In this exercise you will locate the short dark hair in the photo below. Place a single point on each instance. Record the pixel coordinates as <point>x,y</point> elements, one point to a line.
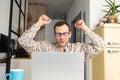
<point>60,23</point>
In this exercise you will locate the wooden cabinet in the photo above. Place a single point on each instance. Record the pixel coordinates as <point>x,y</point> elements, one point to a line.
<point>106,66</point>
<point>34,12</point>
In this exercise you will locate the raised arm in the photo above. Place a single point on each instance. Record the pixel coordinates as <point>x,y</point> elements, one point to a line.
<point>27,39</point>
<point>95,46</point>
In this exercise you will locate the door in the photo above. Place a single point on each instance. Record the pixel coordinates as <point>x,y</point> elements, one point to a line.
<point>111,36</point>
<point>112,64</point>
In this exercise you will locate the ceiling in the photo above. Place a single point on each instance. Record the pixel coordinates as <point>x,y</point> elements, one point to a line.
<point>54,8</point>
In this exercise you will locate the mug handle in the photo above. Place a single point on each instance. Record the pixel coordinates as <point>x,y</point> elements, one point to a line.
<point>8,74</point>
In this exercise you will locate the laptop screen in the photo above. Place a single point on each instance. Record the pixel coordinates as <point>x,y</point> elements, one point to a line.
<point>57,66</point>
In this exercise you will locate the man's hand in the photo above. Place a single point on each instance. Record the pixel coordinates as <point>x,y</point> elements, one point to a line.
<point>43,20</point>
<point>80,24</point>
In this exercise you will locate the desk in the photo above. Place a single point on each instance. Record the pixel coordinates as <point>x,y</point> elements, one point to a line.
<point>2,70</point>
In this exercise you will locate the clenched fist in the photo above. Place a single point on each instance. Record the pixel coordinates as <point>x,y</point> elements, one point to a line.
<point>80,24</point>
<point>43,20</point>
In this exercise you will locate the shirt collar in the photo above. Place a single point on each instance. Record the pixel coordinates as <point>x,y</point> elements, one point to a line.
<point>66,47</point>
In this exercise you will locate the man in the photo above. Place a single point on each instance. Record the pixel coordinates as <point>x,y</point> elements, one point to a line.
<point>62,34</point>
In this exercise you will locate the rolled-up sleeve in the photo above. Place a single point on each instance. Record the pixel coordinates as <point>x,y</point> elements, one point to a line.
<point>26,40</point>
<point>93,48</point>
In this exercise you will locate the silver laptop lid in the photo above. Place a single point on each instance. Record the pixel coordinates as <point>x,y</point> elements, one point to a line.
<point>57,66</point>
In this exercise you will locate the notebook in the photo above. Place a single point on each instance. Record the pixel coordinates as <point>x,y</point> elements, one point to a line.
<point>57,66</point>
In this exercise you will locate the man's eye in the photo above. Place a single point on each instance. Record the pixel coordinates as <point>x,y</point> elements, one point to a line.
<point>58,34</point>
<point>66,33</point>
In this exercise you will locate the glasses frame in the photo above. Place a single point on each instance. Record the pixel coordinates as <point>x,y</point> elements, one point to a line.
<point>59,34</point>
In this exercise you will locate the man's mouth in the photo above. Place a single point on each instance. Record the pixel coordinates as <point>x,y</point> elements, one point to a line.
<point>62,41</point>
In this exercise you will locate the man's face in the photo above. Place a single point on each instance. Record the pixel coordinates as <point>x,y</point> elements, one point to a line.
<point>62,35</point>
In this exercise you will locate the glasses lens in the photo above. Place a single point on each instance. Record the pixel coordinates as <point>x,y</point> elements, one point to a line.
<point>57,34</point>
<point>64,34</point>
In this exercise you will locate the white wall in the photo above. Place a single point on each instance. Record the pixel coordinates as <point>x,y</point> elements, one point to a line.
<point>96,12</point>
<point>4,16</point>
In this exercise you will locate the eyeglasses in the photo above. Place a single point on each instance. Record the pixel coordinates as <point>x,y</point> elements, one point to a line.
<point>58,34</point>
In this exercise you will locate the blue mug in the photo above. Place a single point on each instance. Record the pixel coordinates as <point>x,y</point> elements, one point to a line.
<point>15,74</point>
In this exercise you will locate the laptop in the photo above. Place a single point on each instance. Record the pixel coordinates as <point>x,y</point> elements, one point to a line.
<point>57,66</point>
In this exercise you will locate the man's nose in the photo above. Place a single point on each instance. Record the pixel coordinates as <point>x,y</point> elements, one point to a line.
<point>61,36</point>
